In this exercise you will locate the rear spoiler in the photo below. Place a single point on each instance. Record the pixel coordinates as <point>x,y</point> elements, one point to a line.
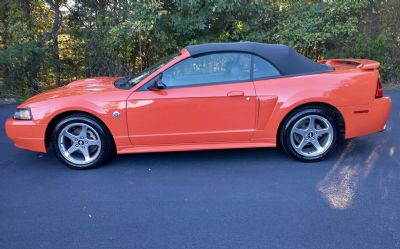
<point>361,64</point>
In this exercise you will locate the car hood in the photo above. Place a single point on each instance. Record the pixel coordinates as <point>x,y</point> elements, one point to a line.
<point>77,88</point>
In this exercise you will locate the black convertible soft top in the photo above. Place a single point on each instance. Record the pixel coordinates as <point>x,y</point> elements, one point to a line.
<point>284,58</point>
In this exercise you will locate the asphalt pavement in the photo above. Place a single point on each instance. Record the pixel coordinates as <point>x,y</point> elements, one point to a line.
<point>246,198</point>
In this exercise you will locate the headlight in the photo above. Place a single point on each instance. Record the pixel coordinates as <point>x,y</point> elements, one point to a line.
<point>23,114</point>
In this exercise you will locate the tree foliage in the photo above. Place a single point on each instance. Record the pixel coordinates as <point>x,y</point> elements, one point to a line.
<point>45,43</point>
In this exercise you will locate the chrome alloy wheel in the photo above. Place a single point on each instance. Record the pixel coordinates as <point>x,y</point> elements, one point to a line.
<point>79,143</point>
<point>312,135</point>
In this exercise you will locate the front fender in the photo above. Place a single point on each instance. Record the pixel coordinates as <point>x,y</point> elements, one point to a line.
<point>103,110</point>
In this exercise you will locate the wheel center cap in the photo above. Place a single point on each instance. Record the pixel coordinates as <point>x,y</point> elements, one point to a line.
<point>81,142</point>
<point>310,135</point>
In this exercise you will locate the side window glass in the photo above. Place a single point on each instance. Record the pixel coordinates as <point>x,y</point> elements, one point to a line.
<point>208,69</point>
<point>263,69</point>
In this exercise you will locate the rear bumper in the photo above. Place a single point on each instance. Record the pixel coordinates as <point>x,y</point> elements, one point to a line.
<point>26,134</point>
<point>366,119</point>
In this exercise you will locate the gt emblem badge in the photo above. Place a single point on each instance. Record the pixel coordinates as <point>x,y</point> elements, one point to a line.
<point>116,114</point>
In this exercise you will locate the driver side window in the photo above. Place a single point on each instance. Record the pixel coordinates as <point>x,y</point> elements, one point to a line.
<point>208,69</point>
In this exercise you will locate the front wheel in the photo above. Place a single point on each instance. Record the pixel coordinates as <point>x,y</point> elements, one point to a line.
<point>81,142</point>
<point>309,134</point>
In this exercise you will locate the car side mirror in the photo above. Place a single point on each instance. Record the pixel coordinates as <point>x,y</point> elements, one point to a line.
<point>157,84</point>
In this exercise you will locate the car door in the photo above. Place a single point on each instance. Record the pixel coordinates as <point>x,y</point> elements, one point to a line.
<point>207,99</point>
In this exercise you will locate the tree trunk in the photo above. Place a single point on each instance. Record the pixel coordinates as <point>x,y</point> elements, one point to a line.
<point>55,5</point>
<point>4,20</point>
<point>31,72</point>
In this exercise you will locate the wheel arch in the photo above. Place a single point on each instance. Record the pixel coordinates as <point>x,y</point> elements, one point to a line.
<point>323,105</point>
<point>60,116</point>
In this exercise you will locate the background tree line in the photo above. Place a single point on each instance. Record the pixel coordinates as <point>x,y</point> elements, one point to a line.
<point>47,43</point>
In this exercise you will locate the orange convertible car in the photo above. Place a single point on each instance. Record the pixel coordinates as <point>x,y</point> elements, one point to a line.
<point>210,96</point>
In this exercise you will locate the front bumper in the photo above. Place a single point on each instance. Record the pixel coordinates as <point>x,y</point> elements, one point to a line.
<point>366,119</point>
<point>26,134</point>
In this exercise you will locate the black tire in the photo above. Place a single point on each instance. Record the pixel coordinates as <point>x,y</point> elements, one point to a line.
<point>107,145</point>
<point>284,137</point>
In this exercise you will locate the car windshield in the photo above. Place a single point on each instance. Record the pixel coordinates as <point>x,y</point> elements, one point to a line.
<point>131,80</point>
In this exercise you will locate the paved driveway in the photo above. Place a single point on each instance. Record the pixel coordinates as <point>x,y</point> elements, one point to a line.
<point>248,198</point>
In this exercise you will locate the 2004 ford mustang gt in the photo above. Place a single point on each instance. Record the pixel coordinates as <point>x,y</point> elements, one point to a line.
<point>210,96</point>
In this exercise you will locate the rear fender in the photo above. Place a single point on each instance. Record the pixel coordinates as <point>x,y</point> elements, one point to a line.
<point>282,109</point>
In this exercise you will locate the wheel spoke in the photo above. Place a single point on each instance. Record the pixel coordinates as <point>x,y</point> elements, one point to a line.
<point>302,143</point>
<point>69,135</point>
<point>299,131</point>
<point>72,149</point>
<point>316,144</point>
<point>93,142</point>
<point>323,131</point>
<point>85,153</point>
<point>311,125</point>
<point>83,133</point>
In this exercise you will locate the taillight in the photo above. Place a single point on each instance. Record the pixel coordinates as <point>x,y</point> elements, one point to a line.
<point>379,89</point>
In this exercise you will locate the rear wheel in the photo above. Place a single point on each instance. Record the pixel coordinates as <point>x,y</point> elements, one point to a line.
<point>81,142</point>
<point>310,134</point>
